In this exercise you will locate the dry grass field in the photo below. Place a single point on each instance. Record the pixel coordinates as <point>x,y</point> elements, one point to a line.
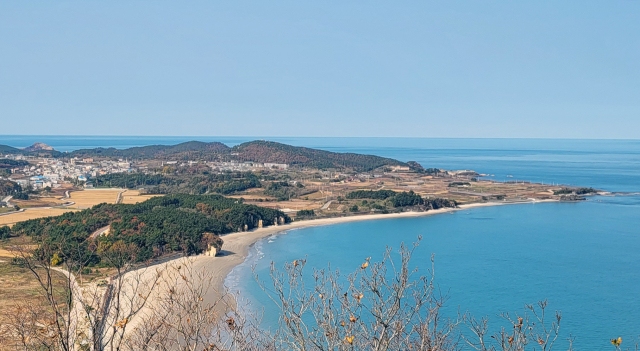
<point>89,198</point>
<point>33,213</point>
<point>38,202</point>
<point>318,195</point>
<point>19,288</point>
<point>83,199</point>
<point>134,197</point>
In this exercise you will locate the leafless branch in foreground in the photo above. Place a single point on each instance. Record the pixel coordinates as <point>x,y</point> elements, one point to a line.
<point>381,306</point>
<point>532,330</point>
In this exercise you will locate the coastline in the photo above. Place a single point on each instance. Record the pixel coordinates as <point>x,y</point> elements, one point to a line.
<point>237,246</point>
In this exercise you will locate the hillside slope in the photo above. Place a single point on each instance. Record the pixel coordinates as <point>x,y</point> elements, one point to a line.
<point>272,152</point>
<point>254,151</point>
<point>6,149</point>
<point>190,149</point>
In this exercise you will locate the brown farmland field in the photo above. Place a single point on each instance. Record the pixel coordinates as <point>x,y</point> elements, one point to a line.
<point>89,198</point>
<point>31,214</point>
<point>38,202</point>
<point>134,197</point>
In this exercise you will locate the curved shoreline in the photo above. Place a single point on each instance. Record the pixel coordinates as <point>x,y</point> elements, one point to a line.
<point>237,246</point>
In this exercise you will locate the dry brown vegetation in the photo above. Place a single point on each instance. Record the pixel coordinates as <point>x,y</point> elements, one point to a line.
<point>31,213</point>
<point>320,190</point>
<point>20,292</point>
<point>89,198</point>
<point>134,197</point>
<point>38,202</point>
<point>83,199</point>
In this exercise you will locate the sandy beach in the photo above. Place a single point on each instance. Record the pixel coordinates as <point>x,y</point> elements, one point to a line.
<point>237,245</point>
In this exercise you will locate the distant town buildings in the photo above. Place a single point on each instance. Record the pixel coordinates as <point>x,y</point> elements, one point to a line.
<point>50,172</point>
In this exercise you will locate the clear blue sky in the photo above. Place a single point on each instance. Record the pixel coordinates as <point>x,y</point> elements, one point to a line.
<point>485,68</point>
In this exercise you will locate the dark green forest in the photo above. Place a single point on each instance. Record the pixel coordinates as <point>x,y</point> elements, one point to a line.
<point>272,152</point>
<point>196,184</point>
<point>158,226</point>
<point>5,232</point>
<point>577,191</point>
<point>5,149</point>
<point>401,199</point>
<point>184,151</point>
<point>255,151</point>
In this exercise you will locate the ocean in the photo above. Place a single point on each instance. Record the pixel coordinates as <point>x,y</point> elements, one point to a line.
<point>584,258</point>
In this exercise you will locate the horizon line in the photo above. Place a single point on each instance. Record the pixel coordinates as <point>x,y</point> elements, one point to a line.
<point>309,137</point>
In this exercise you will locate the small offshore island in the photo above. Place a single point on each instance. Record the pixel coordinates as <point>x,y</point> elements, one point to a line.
<point>207,199</point>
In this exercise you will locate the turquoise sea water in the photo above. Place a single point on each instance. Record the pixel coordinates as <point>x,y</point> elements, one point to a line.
<point>583,257</point>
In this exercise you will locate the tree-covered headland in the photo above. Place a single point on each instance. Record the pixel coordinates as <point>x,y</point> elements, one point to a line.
<point>175,223</point>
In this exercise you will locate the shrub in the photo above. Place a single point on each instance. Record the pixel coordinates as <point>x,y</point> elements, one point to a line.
<point>56,260</point>
<point>5,232</point>
<point>21,196</point>
<point>305,213</point>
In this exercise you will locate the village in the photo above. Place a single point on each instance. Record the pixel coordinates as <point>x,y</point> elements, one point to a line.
<point>57,184</point>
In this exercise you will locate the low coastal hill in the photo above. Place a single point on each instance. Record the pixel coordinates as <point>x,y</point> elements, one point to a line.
<point>37,149</point>
<point>6,149</point>
<point>272,152</point>
<point>158,226</point>
<point>190,149</point>
<point>255,151</point>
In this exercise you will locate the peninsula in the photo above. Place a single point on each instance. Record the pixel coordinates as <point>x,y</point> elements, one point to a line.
<point>211,202</point>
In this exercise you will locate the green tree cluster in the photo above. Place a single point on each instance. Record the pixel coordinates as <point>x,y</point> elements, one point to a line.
<point>5,232</point>
<point>400,199</point>
<point>407,199</point>
<point>578,191</point>
<point>305,213</point>
<point>272,152</point>
<point>8,187</point>
<point>158,226</point>
<point>371,194</point>
<point>199,182</point>
<point>283,191</point>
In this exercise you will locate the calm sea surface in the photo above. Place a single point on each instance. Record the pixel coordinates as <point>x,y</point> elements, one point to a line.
<point>583,257</point>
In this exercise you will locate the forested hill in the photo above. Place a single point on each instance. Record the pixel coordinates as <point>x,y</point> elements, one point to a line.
<point>272,152</point>
<point>6,149</point>
<point>161,225</point>
<point>189,150</point>
<point>255,151</point>
<point>10,150</point>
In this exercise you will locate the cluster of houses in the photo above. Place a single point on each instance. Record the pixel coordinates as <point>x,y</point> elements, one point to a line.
<point>51,172</point>
<point>245,166</point>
